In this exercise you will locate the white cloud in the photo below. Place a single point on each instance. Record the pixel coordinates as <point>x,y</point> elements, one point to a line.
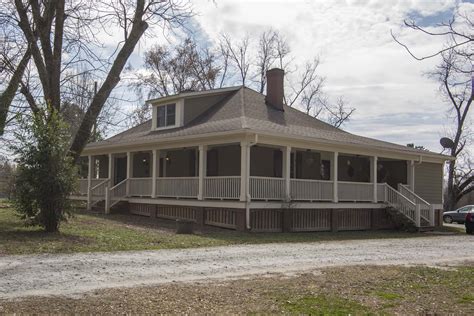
<point>360,59</point>
<point>394,101</point>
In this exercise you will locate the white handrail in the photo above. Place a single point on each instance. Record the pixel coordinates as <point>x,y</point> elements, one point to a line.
<point>223,187</point>
<point>100,184</point>
<point>426,210</point>
<point>267,188</point>
<point>355,191</point>
<point>408,208</point>
<point>112,197</point>
<point>177,187</point>
<point>98,192</point>
<point>415,196</point>
<point>311,189</point>
<point>123,181</point>
<point>140,186</point>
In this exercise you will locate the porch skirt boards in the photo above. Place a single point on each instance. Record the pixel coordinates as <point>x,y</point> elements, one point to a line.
<point>273,220</point>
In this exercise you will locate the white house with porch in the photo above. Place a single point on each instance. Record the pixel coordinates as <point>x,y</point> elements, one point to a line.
<point>238,159</point>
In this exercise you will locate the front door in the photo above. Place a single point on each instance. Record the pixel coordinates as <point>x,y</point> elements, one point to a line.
<point>120,169</point>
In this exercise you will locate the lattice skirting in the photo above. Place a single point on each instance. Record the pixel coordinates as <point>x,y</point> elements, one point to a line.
<point>273,220</point>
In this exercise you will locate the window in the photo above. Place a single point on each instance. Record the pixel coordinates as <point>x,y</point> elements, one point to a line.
<point>464,210</point>
<point>166,115</point>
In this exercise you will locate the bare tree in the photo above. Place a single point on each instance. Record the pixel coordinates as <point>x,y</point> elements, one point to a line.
<point>454,74</point>
<point>457,89</point>
<point>266,55</point>
<point>140,114</point>
<point>338,113</point>
<point>282,52</point>
<point>224,56</point>
<point>171,69</point>
<point>305,79</point>
<point>178,68</point>
<point>78,93</point>
<point>458,34</point>
<point>9,93</point>
<point>238,54</point>
<point>53,28</point>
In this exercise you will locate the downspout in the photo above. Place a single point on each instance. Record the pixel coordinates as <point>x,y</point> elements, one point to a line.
<point>249,197</point>
<point>420,160</point>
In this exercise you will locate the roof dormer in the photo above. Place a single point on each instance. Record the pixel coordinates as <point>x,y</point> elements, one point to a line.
<point>168,115</point>
<point>178,110</point>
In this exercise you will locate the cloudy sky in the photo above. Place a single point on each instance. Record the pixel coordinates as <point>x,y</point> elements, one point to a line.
<point>393,98</point>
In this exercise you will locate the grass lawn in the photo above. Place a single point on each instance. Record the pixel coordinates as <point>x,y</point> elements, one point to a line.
<point>334,291</point>
<point>87,231</point>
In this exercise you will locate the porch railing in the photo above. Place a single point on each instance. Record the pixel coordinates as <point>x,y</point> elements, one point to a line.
<point>311,190</point>
<point>98,190</point>
<point>402,204</point>
<point>82,187</point>
<point>179,187</point>
<point>140,186</point>
<point>97,181</point>
<point>381,192</point>
<point>355,191</point>
<point>426,210</point>
<point>267,188</point>
<point>116,194</point>
<point>222,187</point>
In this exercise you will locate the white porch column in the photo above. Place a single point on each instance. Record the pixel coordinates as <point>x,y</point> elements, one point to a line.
<point>202,169</point>
<point>373,176</point>
<point>110,184</point>
<point>89,181</point>
<point>334,171</point>
<point>154,172</point>
<point>244,167</point>
<point>286,171</point>
<point>129,171</point>
<point>111,170</point>
<point>411,174</point>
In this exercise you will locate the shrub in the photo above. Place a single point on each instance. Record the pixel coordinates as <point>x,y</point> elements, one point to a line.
<point>46,174</point>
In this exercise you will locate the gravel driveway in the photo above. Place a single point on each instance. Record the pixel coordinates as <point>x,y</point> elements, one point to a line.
<point>71,274</point>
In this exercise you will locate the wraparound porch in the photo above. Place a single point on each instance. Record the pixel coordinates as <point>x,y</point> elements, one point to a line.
<point>244,173</point>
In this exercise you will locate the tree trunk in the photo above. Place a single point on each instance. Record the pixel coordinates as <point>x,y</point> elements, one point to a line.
<point>112,79</point>
<point>450,202</point>
<point>7,96</point>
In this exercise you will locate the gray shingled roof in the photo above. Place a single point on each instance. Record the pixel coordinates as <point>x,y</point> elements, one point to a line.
<point>245,109</point>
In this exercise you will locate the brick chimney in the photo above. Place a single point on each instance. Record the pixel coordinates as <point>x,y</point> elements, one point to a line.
<point>275,92</point>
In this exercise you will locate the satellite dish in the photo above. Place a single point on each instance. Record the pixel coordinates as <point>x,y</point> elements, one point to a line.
<point>446,142</point>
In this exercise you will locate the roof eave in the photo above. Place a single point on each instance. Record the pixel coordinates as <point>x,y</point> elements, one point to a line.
<point>131,145</point>
<point>186,95</point>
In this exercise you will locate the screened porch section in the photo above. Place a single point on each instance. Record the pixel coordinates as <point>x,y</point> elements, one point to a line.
<point>242,172</point>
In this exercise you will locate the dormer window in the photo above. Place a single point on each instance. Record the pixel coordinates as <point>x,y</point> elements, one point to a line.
<point>166,115</point>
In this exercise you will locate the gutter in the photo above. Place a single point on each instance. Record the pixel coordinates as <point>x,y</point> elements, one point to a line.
<point>115,148</point>
<point>249,197</point>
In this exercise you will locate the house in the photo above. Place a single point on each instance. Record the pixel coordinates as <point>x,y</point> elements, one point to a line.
<point>236,158</point>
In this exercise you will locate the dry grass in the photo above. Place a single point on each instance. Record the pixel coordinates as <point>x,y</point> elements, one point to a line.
<point>334,291</point>
<point>87,232</point>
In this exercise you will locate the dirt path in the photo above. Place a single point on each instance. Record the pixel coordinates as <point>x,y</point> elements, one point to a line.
<point>77,273</point>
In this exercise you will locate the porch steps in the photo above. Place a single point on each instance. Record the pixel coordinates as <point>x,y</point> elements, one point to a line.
<point>121,207</point>
<point>405,223</point>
